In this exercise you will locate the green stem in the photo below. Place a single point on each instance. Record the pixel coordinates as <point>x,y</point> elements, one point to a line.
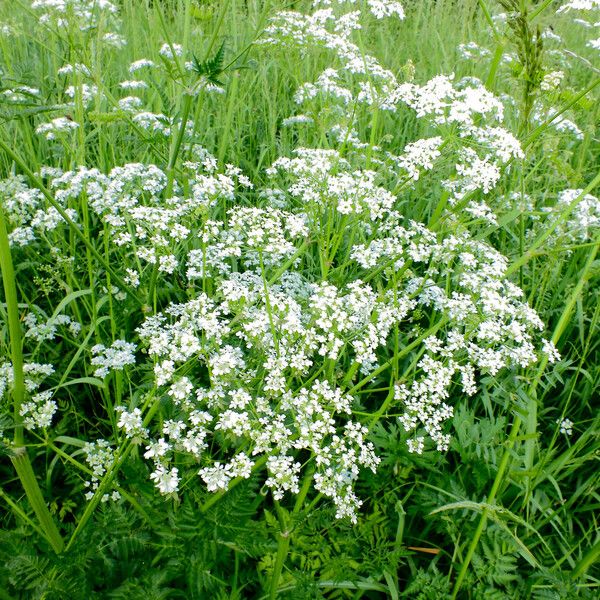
<point>283,542</point>
<point>25,472</point>
<point>539,10</point>
<point>20,459</point>
<point>283,545</point>
<point>21,513</point>
<point>587,561</point>
<point>14,328</point>
<point>488,18</point>
<point>489,83</point>
<point>185,112</point>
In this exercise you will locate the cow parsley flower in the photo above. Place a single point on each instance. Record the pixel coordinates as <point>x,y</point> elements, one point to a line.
<point>100,457</point>
<point>566,427</point>
<point>115,357</point>
<point>167,481</point>
<point>38,412</point>
<point>56,127</point>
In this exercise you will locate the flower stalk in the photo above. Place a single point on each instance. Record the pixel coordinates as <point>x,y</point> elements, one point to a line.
<point>20,460</point>
<point>284,537</point>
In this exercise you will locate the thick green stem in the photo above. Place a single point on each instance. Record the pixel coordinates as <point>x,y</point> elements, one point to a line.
<point>14,328</point>
<point>20,459</point>
<point>25,472</point>
<point>284,538</point>
<point>283,545</point>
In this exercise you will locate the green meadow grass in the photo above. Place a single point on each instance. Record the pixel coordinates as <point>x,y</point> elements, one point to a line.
<point>510,511</point>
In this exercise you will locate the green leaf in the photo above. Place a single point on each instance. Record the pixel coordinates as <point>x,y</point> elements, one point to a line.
<point>211,68</point>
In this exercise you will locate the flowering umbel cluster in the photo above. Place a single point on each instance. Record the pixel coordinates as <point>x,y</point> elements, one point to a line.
<point>286,307</point>
<point>262,365</point>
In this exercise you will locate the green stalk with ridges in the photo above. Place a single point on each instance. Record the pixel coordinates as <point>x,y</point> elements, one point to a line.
<point>20,459</point>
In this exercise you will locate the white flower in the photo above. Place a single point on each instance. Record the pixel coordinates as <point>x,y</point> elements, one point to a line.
<point>416,445</point>
<point>216,477</point>
<point>167,481</point>
<point>579,5</point>
<point>131,422</point>
<point>566,426</point>
<point>550,350</point>
<point>38,412</point>
<point>100,457</point>
<point>551,80</point>
<point>143,63</point>
<point>114,40</point>
<point>133,84</point>
<point>116,357</point>
<point>56,127</point>
<point>171,51</point>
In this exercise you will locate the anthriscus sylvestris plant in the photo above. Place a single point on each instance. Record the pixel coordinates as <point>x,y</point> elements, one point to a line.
<point>234,326</point>
<point>296,306</point>
<point>301,302</point>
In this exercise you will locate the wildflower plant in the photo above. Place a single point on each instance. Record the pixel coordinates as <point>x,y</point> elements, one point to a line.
<point>298,323</point>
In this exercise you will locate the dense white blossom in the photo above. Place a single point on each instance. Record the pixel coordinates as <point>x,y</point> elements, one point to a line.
<point>115,357</point>
<point>56,127</point>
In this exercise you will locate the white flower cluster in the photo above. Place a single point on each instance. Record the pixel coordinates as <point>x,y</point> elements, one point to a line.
<point>296,305</point>
<point>269,334</point>
<point>326,29</point>
<point>142,63</point>
<point>56,128</point>
<point>580,5</point>
<point>28,213</point>
<point>561,124</point>
<point>114,40</point>
<point>69,69</point>
<point>472,51</point>
<point>21,94</point>
<point>378,8</point>
<point>83,14</point>
<point>254,235</point>
<point>350,192</point>
<point>100,457</point>
<point>464,107</point>
<point>482,147</point>
<point>487,325</point>
<point>566,427</point>
<point>129,201</point>
<point>419,156</point>
<point>37,411</point>
<point>583,223</point>
<point>551,81</point>
<point>41,329</point>
<point>84,93</point>
<point>170,51</point>
<point>116,357</point>
<point>262,365</point>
